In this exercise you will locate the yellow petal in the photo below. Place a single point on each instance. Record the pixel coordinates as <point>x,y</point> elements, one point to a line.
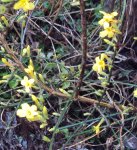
<point>102,12</point>
<point>18,5</point>
<point>114,13</point>
<point>33,108</point>
<point>104,56</point>
<point>101,22</point>
<point>21,113</point>
<point>28,6</point>
<point>106,25</point>
<point>97,59</point>
<point>24,81</point>
<point>25,106</point>
<point>27,89</point>
<point>95,67</point>
<point>103,34</point>
<point>26,78</point>
<point>110,34</point>
<point>31,81</point>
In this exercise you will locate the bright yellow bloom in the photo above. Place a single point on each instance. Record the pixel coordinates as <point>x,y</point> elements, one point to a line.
<point>100,65</point>
<point>110,32</point>
<point>24,4</point>
<point>27,83</point>
<point>30,112</point>
<point>135,93</point>
<point>107,19</point>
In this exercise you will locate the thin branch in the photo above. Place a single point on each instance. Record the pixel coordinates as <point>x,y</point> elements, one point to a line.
<point>84,46</point>
<point>55,18</point>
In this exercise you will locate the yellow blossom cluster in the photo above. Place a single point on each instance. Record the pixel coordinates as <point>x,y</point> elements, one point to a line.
<point>109,24</point>
<point>102,64</point>
<point>37,111</point>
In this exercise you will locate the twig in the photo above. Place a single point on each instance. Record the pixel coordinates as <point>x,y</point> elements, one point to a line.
<point>51,28</point>
<point>84,46</point>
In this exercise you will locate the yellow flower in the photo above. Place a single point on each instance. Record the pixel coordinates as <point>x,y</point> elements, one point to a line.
<point>100,65</point>
<point>135,93</point>
<point>24,4</point>
<point>30,112</point>
<point>27,83</point>
<point>110,32</point>
<point>104,56</point>
<point>107,19</point>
